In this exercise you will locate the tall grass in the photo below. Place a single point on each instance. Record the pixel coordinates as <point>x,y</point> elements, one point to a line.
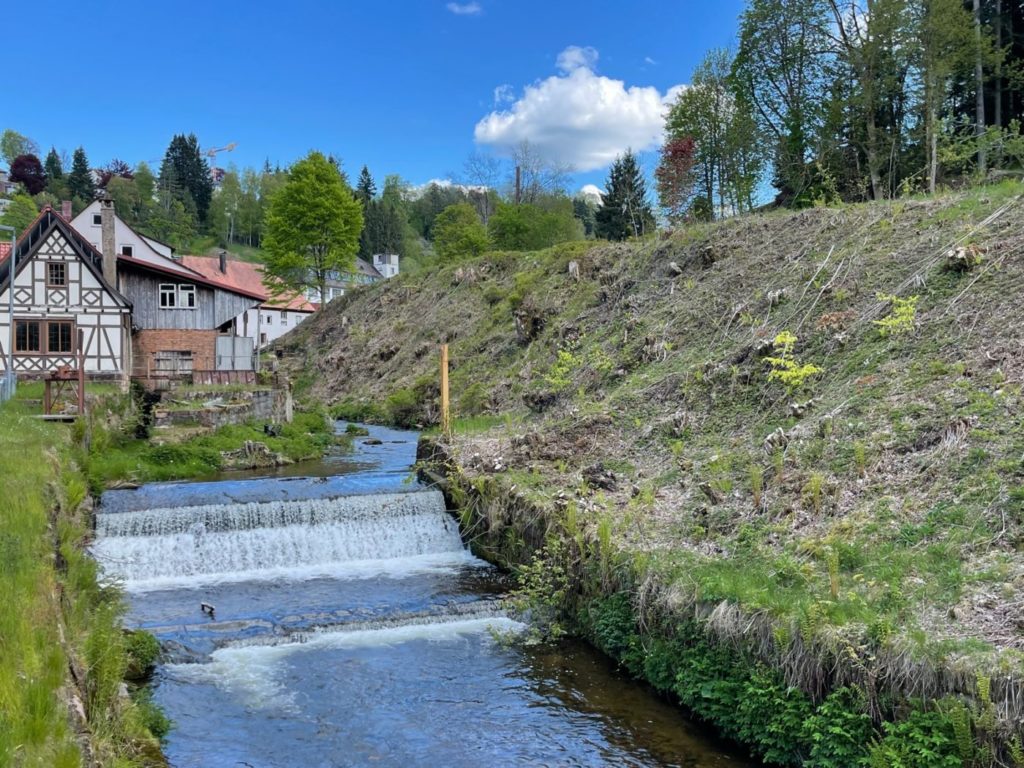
<point>54,615</point>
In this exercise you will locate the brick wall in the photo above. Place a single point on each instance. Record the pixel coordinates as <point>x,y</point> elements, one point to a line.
<point>147,343</point>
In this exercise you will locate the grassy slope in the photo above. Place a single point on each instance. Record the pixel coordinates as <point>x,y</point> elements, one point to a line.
<point>891,521</point>
<point>54,618</point>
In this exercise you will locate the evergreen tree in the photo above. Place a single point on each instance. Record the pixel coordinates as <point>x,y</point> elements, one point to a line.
<point>53,166</point>
<point>366,190</point>
<point>80,183</point>
<point>185,173</point>
<point>625,210</point>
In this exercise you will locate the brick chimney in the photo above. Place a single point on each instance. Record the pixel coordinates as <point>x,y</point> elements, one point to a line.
<point>107,247</point>
<point>65,210</point>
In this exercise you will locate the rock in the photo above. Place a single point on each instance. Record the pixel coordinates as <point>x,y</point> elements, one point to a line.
<point>253,455</point>
<point>597,476</point>
<point>674,269</point>
<point>714,496</point>
<point>373,441</point>
<point>776,441</point>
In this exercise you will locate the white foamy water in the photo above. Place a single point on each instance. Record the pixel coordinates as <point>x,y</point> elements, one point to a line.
<point>253,672</point>
<point>357,535</point>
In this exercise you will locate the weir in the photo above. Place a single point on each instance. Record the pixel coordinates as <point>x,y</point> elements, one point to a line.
<point>233,541</point>
<point>350,625</point>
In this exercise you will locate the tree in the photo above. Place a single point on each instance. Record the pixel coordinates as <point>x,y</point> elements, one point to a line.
<point>674,177</point>
<point>13,144</point>
<point>583,208</point>
<point>625,210</point>
<point>186,174</point>
<point>459,233</point>
<point>28,171</point>
<point>780,70</point>
<point>312,227</point>
<point>53,166</point>
<point>21,212</point>
<point>538,175</point>
<point>533,227</point>
<point>366,190</point>
<point>946,49</point>
<point>115,168</point>
<point>80,183</point>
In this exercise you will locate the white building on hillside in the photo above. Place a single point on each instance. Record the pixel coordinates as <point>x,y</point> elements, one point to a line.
<point>386,264</point>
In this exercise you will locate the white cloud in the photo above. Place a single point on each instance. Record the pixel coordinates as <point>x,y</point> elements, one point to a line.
<point>591,191</point>
<point>650,62</point>
<point>504,94</point>
<point>465,9</point>
<point>574,57</point>
<point>579,117</point>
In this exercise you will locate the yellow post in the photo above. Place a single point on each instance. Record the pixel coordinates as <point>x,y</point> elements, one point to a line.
<point>446,416</point>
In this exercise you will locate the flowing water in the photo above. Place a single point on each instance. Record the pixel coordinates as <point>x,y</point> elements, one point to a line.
<point>350,626</point>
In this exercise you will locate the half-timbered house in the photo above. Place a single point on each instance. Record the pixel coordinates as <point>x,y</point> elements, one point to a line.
<point>61,296</point>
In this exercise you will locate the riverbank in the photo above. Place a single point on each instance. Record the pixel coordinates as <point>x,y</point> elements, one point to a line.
<point>65,656</point>
<point>809,421</point>
<point>722,666</point>
<point>69,674</point>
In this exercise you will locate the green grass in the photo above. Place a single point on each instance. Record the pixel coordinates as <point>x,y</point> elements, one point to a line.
<point>41,492</point>
<point>115,456</point>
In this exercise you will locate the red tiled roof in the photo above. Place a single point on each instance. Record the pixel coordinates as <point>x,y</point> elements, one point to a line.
<point>5,251</point>
<point>186,273</point>
<point>248,277</point>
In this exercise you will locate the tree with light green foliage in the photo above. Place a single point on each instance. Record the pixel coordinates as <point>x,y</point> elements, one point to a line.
<point>21,211</point>
<point>532,227</point>
<point>459,233</point>
<point>13,144</point>
<point>312,227</point>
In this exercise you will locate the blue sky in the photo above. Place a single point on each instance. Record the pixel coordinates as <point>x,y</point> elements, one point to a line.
<point>405,86</point>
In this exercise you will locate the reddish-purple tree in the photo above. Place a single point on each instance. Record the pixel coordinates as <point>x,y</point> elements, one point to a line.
<point>674,176</point>
<point>28,171</point>
<point>115,168</point>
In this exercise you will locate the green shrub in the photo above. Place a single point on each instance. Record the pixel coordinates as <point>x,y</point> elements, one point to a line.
<point>921,740</point>
<point>143,650</point>
<point>787,369</point>
<point>403,409</point>
<point>838,732</point>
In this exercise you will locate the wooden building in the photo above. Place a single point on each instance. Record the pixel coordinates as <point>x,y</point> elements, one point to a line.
<point>182,321</point>
<point>60,296</point>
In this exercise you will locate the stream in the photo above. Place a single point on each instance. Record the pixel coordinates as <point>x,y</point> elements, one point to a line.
<point>350,626</point>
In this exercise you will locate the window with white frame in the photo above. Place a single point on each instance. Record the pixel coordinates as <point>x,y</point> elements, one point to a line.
<point>187,296</point>
<point>168,296</point>
<point>284,318</point>
<point>175,296</point>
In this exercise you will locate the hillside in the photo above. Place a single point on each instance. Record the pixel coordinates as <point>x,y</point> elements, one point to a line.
<point>873,515</point>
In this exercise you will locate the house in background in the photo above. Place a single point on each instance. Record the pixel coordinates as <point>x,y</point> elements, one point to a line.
<point>7,187</point>
<point>127,242</point>
<point>386,264</point>
<point>271,319</point>
<point>63,295</point>
<point>364,273</point>
<point>182,322</point>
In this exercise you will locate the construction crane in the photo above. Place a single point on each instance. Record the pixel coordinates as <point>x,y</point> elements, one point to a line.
<point>212,153</point>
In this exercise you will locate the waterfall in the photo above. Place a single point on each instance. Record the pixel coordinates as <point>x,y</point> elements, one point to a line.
<point>175,546</point>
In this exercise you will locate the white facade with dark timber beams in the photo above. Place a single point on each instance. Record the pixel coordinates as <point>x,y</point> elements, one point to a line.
<point>59,291</point>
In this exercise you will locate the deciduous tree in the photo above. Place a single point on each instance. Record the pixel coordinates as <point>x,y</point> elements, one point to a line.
<point>459,233</point>
<point>312,227</point>
<point>28,171</point>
